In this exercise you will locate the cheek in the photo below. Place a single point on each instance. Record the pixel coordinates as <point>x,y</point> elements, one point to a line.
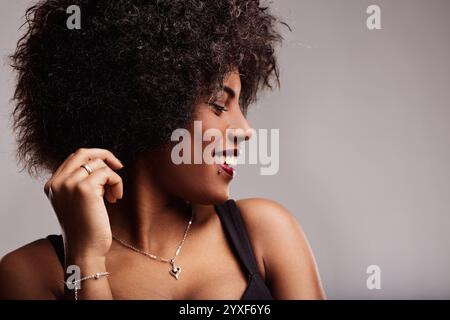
<point>198,183</point>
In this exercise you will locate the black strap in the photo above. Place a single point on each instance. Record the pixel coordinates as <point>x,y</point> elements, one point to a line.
<point>236,232</point>
<point>58,245</point>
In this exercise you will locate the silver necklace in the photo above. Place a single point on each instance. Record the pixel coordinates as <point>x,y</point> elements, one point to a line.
<point>175,270</point>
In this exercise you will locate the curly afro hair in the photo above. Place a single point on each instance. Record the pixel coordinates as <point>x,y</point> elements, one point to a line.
<point>132,73</point>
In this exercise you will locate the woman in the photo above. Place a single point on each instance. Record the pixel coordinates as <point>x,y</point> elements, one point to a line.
<point>143,227</point>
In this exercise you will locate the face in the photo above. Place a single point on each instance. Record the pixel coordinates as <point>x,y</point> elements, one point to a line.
<point>207,183</point>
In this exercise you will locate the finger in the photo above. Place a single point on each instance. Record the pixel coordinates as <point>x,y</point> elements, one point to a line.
<point>47,186</point>
<point>106,177</point>
<point>82,173</point>
<point>83,155</point>
<point>78,158</point>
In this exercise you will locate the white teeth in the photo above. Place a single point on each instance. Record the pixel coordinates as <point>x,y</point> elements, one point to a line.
<point>220,158</point>
<point>231,160</point>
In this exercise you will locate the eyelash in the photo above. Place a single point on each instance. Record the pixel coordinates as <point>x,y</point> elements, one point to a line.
<point>218,107</point>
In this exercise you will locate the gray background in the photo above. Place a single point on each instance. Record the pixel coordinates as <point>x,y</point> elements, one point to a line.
<point>364,144</point>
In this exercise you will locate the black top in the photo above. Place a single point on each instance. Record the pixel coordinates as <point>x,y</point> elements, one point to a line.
<point>236,233</point>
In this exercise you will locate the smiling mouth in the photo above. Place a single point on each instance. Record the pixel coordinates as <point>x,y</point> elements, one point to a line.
<point>228,169</point>
<point>226,159</point>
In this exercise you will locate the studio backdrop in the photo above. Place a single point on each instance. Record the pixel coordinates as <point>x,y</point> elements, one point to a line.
<point>363,116</point>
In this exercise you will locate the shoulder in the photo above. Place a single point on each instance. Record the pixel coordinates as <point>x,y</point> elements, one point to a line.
<point>279,241</point>
<point>30,272</point>
<point>268,223</point>
<point>265,213</point>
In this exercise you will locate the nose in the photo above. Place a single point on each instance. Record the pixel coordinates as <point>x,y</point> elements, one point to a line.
<point>240,130</point>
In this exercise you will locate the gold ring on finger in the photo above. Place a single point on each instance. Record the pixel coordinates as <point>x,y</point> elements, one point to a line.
<point>88,169</point>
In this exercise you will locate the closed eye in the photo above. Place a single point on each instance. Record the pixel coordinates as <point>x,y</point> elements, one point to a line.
<point>218,107</point>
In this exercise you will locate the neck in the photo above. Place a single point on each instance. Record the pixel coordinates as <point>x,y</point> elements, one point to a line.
<point>148,217</point>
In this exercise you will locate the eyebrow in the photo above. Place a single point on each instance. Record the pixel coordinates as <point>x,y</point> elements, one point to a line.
<point>230,91</point>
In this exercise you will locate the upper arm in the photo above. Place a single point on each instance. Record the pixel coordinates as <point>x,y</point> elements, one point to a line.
<point>28,273</point>
<point>290,268</point>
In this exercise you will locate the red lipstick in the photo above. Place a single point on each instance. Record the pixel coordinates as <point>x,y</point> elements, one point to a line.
<point>228,169</point>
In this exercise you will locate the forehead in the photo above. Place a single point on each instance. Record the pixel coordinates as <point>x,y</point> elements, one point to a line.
<point>233,81</point>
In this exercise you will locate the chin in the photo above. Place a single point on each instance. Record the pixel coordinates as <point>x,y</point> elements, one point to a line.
<point>221,198</point>
<point>212,197</point>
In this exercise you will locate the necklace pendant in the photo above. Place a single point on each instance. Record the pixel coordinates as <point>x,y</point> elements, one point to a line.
<point>175,270</point>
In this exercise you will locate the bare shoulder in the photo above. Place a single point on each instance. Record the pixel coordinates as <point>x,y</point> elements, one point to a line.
<point>262,214</point>
<point>268,223</point>
<point>279,241</point>
<point>30,272</point>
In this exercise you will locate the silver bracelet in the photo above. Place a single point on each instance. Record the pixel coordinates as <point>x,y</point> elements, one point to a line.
<point>93,276</point>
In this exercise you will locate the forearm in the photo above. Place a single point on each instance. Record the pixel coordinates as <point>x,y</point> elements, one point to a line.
<point>92,289</point>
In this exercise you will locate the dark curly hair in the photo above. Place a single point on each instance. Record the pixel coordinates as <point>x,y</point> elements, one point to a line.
<point>132,73</point>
